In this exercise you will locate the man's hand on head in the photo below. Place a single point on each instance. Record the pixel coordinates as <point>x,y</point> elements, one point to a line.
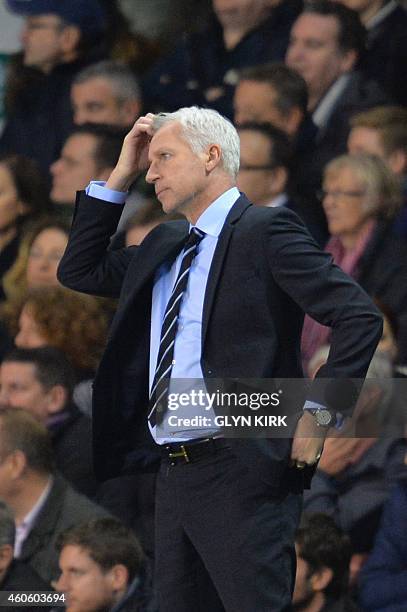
<point>134,154</point>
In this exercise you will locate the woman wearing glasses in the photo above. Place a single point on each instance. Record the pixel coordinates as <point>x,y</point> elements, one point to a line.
<point>361,198</point>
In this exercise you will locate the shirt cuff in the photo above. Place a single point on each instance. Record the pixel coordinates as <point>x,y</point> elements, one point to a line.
<point>309,405</point>
<point>97,189</point>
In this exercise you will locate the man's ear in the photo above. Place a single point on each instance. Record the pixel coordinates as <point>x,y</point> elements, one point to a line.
<point>348,61</point>
<point>57,397</point>
<point>23,208</point>
<point>17,464</point>
<point>292,121</point>
<point>278,180</point>
<point>119,576</point>
<point>398,162</point>
<point>213,157</point>
<point>321,578</point>
<point>70,37</point>
<point>130,110</point>
<point>6,557</point>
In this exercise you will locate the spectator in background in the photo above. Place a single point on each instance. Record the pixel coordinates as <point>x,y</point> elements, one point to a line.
<point>23,198</point>
<point>323,555</point>
<point>276,94</point>
<point>326,43</point>
<point>59,38</point>
<point>271,93</point>
<point>361,198</point>
<point>39,253</point>
<point>15,576</point>
<point>266,160</point>
<point>41,381</point>
<point>143,221</point>
<point>382,131</point>
<point>386,57</point>
<point>360,464</point>
<point>203,69</point>
<point>43,503</point>
<point>74,323</point>
<point>101,563</point>
<point>383,581</point>
<point>126,43</point>
<point>106,92</point>
<point>91,150</point>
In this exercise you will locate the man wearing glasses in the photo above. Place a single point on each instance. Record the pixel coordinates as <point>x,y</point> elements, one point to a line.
<point>56,41</point>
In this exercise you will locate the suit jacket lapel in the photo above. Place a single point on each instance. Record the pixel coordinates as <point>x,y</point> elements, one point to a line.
<point>218,258</point>
<point>149,258</point>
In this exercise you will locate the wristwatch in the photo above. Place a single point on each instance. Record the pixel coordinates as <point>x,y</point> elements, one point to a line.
<point>323,417</point>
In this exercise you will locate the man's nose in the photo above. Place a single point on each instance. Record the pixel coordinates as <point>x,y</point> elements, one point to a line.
<point>152,174</point>
<point>54,167</point>
<point>60,585</point>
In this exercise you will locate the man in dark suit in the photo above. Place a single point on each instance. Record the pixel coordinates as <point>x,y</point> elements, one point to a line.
<point>43,503</point>
<point>327,42</point>
<point>14,574</point>
<point>226,509</point>
<point>41,381</point>
<point>266,162</point>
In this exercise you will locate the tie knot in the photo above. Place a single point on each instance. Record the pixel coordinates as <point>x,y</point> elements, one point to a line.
<point>194,238</point>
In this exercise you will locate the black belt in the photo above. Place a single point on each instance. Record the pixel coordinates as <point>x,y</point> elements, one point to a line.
<point>192,451</point>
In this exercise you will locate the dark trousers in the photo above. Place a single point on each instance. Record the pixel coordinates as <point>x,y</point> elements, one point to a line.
<point>224,538</point>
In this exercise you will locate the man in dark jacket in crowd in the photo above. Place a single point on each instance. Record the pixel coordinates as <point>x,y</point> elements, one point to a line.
<point>101,563</point>
<point>41,382</point>
<point>323,556</point>
<point>203,68</point>
<point>59,38</point>
<point>15,576</point>
<point>326,43</point>
<point>43,503</point>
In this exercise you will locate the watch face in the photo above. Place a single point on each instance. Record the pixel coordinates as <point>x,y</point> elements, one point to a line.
<point>323,417</point>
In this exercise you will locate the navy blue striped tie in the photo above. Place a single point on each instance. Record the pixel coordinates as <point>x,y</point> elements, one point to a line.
<point>159,389</point>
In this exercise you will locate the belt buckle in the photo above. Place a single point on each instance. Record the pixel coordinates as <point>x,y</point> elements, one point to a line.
<point>183,453</point>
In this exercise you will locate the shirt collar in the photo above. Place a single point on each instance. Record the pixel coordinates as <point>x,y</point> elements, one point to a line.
<point>326,105</point>
<point>279,200</point>
<point>381,15</point>
<point>213,218</point>
<point>30,518</point>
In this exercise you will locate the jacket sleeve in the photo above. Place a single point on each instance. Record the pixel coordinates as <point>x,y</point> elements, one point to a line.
<point>323,291</point>
<point>88,265</point>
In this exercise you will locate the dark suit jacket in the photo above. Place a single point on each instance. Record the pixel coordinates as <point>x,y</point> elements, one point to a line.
<point>382,272</point>
<point>386,57</point>
<point>359,95</point>
<point>63,508</point>
<point>72,446</point>
<point>265,272</point>
<point>22,577</point>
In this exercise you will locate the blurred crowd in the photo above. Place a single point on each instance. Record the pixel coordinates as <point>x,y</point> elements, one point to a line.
<point>316,91</point>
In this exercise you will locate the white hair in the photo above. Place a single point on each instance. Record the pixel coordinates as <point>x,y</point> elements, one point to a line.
<point>203,127</point>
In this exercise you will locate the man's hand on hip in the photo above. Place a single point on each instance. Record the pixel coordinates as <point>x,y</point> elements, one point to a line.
<point>308,441</point>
